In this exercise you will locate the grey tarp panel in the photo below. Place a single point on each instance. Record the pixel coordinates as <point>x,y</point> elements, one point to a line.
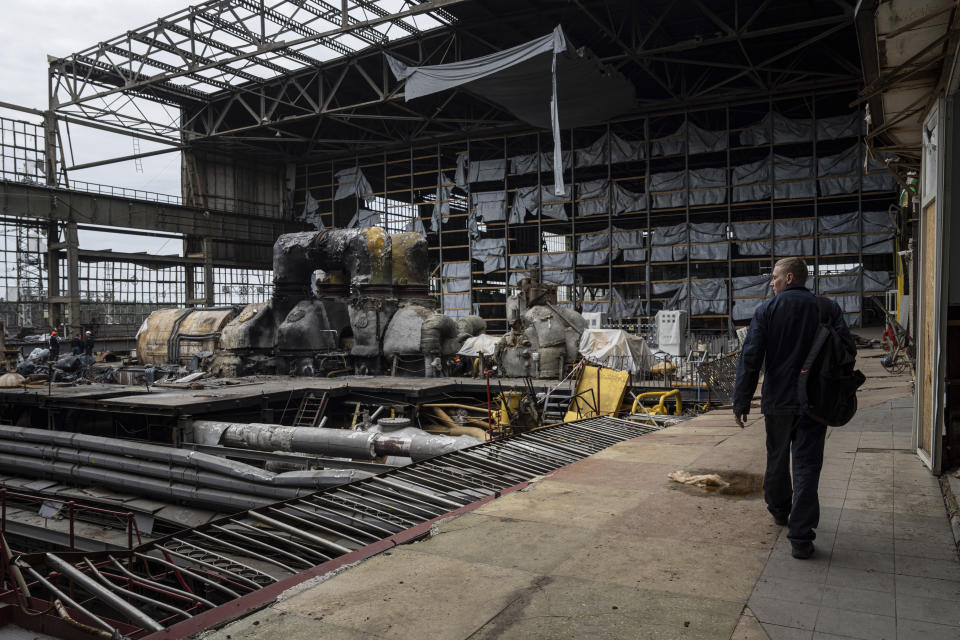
<point>704,296</point>
<point>872,244</point>
<point>415,226</point>
<point>793,228</point>
<point>669,235</point>
<point>620,151</point>
<point>441,208</point>
<point>525,201</point>
<point>628,238</point>
<point>878,222</point>
<point>311,213</point>
<point>456,276</point>
<point>527,163</point>
<point>875,244</point>
<point>840,174</point>
<point>456,305</point>
<point>784,130</point>
<point>592,197</point>
<point>751,230</point>
<point>490,205</point>
<point>661,254</point>
<point>660,288</point>
<point>708,231</point>
<point>491,251</point>
<point>716,251</point>
<point>708,186</point>
<point>793,247</point>
<point>635,255</point>
<point>600,256</point>
<point>364,219</point>
<point>708,296</point>
<point>844,126</point>
<point>754,248</point>
<point>591,306</point>
<point>801,130</point>
<point>486,170</point>
<point>750,286</point>
<point>701,141</point>
<point>625,308</point>
<point>672,181</point>
<point>842,223</point>
<point>743,309</point>
<point>751,181</point>
<point>793,178</point>
<point>877,280</point>
<point>597,240</point>
<point>543,82</point>
<point>351,182</point>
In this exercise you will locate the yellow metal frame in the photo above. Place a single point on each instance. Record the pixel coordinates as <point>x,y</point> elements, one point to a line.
<point>660,409</point>
<point>599,391</point>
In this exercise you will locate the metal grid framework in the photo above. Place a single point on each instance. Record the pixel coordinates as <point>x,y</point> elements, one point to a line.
<point>225,47</point>
<point>23,296</point>
<point>116,297</point>
<point>414,175</point>
<point>197,578</point>
<point>293,78</point>
<point>21,151</point>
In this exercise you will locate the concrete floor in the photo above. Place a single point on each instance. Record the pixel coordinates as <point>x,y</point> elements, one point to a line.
<point>609,548</point>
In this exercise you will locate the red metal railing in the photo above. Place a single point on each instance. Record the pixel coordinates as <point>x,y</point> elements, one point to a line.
<point>73,510</point>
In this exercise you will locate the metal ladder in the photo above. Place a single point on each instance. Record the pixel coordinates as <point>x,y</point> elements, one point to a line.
<point>311,410</point>
<point>556,405</point>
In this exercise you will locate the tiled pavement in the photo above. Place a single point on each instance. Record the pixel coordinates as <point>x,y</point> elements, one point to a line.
<point>886,566</point>
<point>608,547</point>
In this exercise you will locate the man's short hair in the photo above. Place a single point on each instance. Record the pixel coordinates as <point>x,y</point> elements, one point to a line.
<point>796,266</point>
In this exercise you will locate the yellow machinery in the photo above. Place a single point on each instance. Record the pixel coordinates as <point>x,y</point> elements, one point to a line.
<point>599,392</point>
<point>660,409</point>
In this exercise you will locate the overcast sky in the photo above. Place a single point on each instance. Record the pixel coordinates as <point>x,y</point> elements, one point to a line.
<point>29,31</point>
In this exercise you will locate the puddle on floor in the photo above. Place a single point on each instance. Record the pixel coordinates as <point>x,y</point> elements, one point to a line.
<point>742,484</point>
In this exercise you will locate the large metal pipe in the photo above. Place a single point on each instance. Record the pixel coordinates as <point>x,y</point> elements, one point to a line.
<point>332,442</point>
<point>94,588</point>
<point>224,501</point>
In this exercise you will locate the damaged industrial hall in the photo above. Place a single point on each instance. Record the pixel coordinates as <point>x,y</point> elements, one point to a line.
<point>422,318</point>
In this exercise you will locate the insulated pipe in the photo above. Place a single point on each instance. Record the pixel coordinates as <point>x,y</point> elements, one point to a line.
<point>93,587</point>
<point>134,468</point>
<point>226,501</point>
<point>140,450</point>
<point>341,443</point>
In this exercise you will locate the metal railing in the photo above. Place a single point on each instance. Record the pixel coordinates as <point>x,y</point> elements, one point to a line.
<point>74,510</point>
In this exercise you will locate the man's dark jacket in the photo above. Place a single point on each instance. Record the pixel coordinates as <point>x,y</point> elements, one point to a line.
<point>782,331</point>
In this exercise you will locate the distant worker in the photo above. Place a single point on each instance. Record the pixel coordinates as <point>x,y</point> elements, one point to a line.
<point>88,343</point>
<point>782,333</point>
<point>54,345</point>
<point>76,345</point>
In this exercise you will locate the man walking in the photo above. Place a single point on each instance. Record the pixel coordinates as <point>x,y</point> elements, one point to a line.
<point>54,342</point>
<point>781,333</point>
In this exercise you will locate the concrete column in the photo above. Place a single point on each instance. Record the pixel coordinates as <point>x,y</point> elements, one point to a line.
<point>73,277</point>
<point>54,306</point>
<point>190,277</point>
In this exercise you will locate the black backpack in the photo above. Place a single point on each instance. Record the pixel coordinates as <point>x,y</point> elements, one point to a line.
<point>828,383</point>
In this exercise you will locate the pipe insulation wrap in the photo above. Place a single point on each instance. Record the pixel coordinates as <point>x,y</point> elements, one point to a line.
<point>342,443</point>
<point>140,450</point>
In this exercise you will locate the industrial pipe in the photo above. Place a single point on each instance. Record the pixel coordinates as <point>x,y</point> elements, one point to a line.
<point>340,443</point>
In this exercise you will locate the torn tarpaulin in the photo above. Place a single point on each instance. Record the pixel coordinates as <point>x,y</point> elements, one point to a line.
<point>539,82</point>
<point>351,182</point>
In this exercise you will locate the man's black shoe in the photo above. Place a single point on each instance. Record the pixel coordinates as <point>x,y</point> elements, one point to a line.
<point>780,520</point>
<point>802,551</point>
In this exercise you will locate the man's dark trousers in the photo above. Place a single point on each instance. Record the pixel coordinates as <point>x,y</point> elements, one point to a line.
<point>803,438</point>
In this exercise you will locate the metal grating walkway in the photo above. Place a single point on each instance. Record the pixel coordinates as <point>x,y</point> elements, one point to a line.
<point>177,585</point>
